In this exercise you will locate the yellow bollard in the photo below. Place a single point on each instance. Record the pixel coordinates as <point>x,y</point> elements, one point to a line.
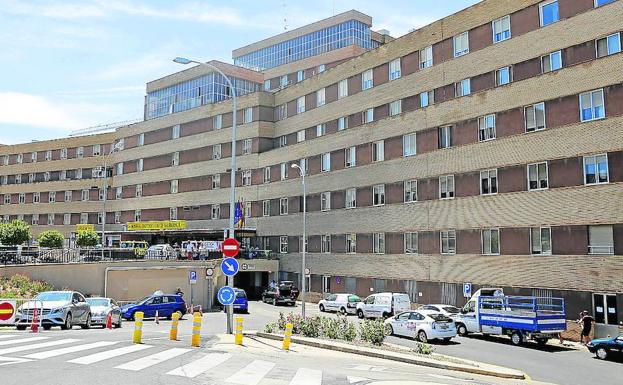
<point>175,320</point>
<point>286,337</point>
<point>196,338</point>
<point>138,327</point>
<point>238,338</point>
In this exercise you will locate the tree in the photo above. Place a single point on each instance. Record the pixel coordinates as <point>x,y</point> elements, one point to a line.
<point>88,238</point>
<point>52,239</point>
<point>14,233</point>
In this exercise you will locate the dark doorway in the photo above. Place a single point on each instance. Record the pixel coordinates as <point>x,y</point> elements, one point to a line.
<point>253,282</point>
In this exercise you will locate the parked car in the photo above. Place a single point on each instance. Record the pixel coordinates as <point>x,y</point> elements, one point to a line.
<point>101,307</point>
<point>164,251</point>
<point>138,247</point>
<point>606,347</point>
<point>447,310</point>
<point>383,305</point>
<point>55,308</point>
<point>285,292</point>
<point>423,325</point>
<point>343,303</point>
<point>164,304</point>
<point>241,302</point>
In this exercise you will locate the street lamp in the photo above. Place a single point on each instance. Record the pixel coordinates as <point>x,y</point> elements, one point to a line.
<point>303,275</point>
<point>232,195</point>
<point>117,147</point>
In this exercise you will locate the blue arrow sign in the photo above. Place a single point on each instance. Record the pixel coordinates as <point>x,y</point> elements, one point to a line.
<point>230,267</point>
<point>226,295</point>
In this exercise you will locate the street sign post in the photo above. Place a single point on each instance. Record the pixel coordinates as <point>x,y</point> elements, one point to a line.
<point>231,247</point>
<point>230,267</point>
<point>467,290</point>
<point>226,296</point>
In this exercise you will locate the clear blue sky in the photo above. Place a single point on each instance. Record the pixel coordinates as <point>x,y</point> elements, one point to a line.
<point>73,64</point>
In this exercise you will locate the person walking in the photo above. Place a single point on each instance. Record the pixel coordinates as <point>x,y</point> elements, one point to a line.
<point>587,324</point>
<point>179,292</point>
<point>189,251</point>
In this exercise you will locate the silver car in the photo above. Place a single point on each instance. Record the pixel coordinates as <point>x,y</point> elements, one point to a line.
<point>101,307</point>
<point>55,308</point>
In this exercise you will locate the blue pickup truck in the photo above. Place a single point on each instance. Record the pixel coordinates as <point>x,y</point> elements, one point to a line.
<point>489,311</point>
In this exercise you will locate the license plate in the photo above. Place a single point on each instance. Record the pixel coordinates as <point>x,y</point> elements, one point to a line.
<point>444,326</point>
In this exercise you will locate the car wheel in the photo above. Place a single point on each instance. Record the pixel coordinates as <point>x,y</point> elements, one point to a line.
<point>87,324</point>
<point>360,314</point>
<point>68,322</point>
<point>541,341</point>
<point>421,336</point>
<point>516,338</point>
<point>119,322</point>
<point>386,315</point>
<point>389,330</point>
<point>132,317</point>
<point>47,327</point>
<point>321,307</point>
<point>601,353</point>
<point>343,311</point>
<point>462,330</point>
<point>274,301</point>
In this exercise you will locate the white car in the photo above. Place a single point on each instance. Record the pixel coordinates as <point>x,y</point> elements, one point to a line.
<point>160,251</point>
<point>383,305</point>
<point>423,325</point>
<point>447,310</point>
<point>343,303</point>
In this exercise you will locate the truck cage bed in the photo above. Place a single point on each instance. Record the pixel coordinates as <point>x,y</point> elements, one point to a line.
<point>533,314</point>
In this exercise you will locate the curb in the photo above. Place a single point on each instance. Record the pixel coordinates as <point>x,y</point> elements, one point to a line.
<point>399,357</point>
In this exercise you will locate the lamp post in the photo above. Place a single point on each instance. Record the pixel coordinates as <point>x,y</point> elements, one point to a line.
<point>115,148</point>
<point>303,275</point>
<point>232,195</point>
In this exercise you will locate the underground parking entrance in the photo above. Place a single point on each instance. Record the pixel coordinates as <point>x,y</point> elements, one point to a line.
<point>252,282</point>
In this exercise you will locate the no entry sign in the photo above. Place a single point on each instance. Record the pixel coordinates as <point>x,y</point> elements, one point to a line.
<point>7,311</point>
<point>231,247</point>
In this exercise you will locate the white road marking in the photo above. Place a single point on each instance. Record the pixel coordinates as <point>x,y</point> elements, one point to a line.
<point>22,340</point>
<point>9,361</point>
<point>305,376</point>
<point>3,336</point>
<point>251,374</point>
<point>16,349</point>
<point>153,359</point>
<point>70,349</point>
<point>369,368</point>
<point>353,379</point>
<point>97,357</point>
<point>202,365</point>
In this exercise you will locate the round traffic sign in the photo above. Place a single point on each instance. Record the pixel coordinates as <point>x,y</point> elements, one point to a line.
<point>6,311</point>
<point>231,247</point>
<point>226,295</point>
<point>230,267</point>
<point>209,271</point>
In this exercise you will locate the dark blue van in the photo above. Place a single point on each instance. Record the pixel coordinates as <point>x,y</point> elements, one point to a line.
<point>165,304</point>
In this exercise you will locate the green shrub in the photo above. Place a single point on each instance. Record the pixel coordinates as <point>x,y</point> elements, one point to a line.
<point>421,348</point>
<point>372,331</point>
<point>270,327</point>
<point>311,327</point>
<point>88,238</point>
<point>52,238</point>
<point>295,319</point>
<point>330,328</point>
<point>347,329</point>
<point>20,286</point>
<point>14,233</point>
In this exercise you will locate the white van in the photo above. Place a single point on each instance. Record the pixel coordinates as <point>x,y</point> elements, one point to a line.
<point>383,305</point>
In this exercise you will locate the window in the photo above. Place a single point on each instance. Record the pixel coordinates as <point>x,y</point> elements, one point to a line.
<point>50,219</point>
<point>300,105</point>
<point>600,240</point>
<point>216,211</point>
<point>217,122</point>
<point>216,151</point>
<point>395,108</point>
<point>609,45</point>
<point>119,192</point>
<point>120,168</point>
<point>463,88</point>
<point>501,29</point>
<point>486,127</point>
<point>446,187</point>
<point>599,3</point>
<point>540,241</point>
<point>21,198</point>
<point>52,197</point>
<point>78,173</point>
<point>283,244</point>
<point>84,218</point>
<point>411,243</point>
<point>216,181</point>
<point>368,115</point>
<point>282,112</point>
<point>351,243</point>
<point>248,115</point>
<point>394,69</point>
<point>246,178</point>
<point>266,174</point>
<point>596,169</point>
<point>174,186</point>
<point>548,12</point>
<point>68,196</point>
<point>175,160</point>
<point>176,132</point>
<point>379,243</point>
<point>283,141</point>
<point>410,187</point>
<point>141,139</point>
<point>97,150</point>
<point>325,201</point>
<point>461,44</point>
<point>7,199</point>
<point>488,182</point>
<point>503,76</point>
<point>139,165</point>
<point>62,175</point>
<point>426,57</point>
<point>445,136</point>
<point>342,88</point>
<point>490,241</point>
<point>321,68</point>
<point>551,62</point>
<point>36,197</point>
<point>247,210</point>
<point>326,162</point>
<point>447,241</point>
<point>101,194</point>
<point>138,191</point>
<point>378,195</point>
<point>351,198</point>
<point>283,171</point>
<point>173,213</point>
<point>117,216</point>
<point>537,176</point>
<point>378,151</point>
<point>300,136</point>
<point>5,159</point>
<point>325,243</point>
<point>408,145</point>
<point>18,178</point>
<point>67,219</point>
<point>283,206</point>
<point>63,154</point>
<point>534,117</point>
<point>31,177</point>
<point>300,75</point>
<point>320,97</point>
<point>35,220</point>
<point>283,81</point>
<point>321,129</point>
<point>304,166</point>
<point>427,98</point>
<point>366,80</point>
<point>350,156</point>
<point>592,105</point>
<point>304,244</point>
<point>137,215</point>
<point>33,157</point>
<point>266,208</point>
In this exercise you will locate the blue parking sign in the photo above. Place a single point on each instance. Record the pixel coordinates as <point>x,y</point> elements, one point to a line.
<point>467,290</point>
<point>192,277</point>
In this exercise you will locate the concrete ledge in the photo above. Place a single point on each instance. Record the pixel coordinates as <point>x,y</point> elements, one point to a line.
<point>474,367</point>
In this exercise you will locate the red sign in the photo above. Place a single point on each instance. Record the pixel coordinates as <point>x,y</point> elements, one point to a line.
<point>6,311</point>
<point>231,247</point>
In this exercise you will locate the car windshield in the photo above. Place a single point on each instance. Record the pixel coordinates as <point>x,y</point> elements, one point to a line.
<point>54,296</point>
<point>97,301</point>
<point>354,298</point>
<point>452,309</point>
<point>439,317</point>
<point>241,294</point>
<point>143,299</point>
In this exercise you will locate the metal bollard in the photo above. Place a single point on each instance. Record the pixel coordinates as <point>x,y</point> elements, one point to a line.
<point>196,338</point>
<point>286,337</point>
<point>175,317</point>
<point>138,327</point>
<point>238,337</point>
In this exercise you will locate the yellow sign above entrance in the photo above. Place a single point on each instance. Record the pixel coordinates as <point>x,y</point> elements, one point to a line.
<point>157,225</point>
<point>85,227</point>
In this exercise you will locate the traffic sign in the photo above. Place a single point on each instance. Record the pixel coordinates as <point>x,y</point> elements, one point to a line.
<point>230,267</point>
<point>192,277</point>
<point>231,247</point>
<point>467,290</point>
<point>7,312</point>
<point>209,272</point>
<point>226,295</point>
<point>307,271</point>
